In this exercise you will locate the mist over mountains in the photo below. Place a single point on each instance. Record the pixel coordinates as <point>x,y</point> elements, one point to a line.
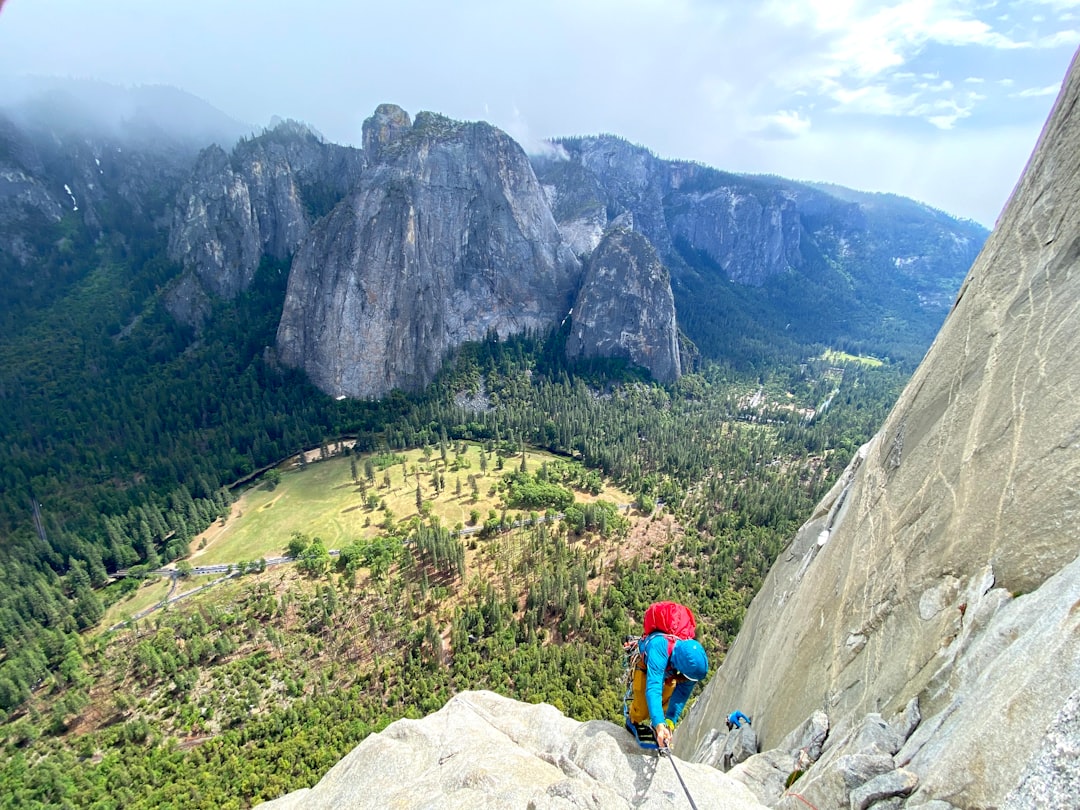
<point>92,108</point>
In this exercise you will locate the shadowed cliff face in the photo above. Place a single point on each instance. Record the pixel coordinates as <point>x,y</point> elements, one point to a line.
<point>259,202</point>
<point>625,307</point>
<point>446,237</point>
<point>943,566</point>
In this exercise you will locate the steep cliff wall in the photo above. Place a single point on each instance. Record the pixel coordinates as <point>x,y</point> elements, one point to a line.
<point>751,235</point>
<point>60,181</point>
<point>751,228</point>
<point>625,307</point>
<point>943,567</point>
<point>24,193</point>
<point>261,200</point>
<point>758,260</point>
<point>447,236</point>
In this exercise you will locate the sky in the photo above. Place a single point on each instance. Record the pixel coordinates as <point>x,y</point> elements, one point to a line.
<point>939,100</point>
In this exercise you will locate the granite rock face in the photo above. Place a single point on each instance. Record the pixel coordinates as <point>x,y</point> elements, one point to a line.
<point>944,564</point>
<point>259,201</point>
<point>752,229</point>
<point>751,236</point>
<point>446,237</point>
<point>215,232</point>
<point>625,307</point>
<point>93,181</point>
<point>385,127</point>
<point>483,750</point>
<point>1051,779</point>
<point>24,194</point>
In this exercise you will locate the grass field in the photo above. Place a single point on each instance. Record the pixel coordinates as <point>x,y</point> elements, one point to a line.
<point>834,356</point>
<point>150,592</point>
<point>322,501</point>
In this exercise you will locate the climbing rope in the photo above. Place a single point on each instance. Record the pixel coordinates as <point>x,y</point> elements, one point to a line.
<point>671,758</point>
<point>801,799</point>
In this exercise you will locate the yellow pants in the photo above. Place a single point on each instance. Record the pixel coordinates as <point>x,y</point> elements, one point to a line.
<point>639,708</point>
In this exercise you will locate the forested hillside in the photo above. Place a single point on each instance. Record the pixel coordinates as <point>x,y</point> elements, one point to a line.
<point>290,668</point>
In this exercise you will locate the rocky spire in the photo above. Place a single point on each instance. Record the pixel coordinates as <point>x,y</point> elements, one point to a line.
<point>388,124</point>
<point>446,238</point>
<point>625,307</point>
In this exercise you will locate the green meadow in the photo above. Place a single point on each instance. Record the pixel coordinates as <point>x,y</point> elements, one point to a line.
<point>322,500</point>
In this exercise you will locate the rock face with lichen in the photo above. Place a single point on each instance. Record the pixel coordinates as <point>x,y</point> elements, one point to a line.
<point>943,567</point>
<point>447,237</point>
<point>625,307</point>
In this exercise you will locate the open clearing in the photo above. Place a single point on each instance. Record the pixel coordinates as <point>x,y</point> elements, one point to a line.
<point>836,356</point>
<point>322,500</point>
<point>150,592</point>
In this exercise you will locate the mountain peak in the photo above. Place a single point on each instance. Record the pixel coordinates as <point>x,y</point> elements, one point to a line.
<point>386,126</point>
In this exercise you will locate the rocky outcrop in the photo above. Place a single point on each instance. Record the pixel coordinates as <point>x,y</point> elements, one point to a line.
<point>944,564</point>
<point>854,771</point>
<point>857,770</point>
<point>24,196</point>
<point>447,237</point>
<point>625,307</point>
<point>215,232</point>
<point>1051,779</point>
<point>383,128</point>
<point>59,181</point>
<point>260,201</point>
<point>752,229</point>
<point>595,180</point>
<point>751,234</point>
<point>577,201</point>
<point>483,750</point>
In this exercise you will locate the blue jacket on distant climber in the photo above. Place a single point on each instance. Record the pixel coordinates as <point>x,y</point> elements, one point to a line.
<point>663,683</point>
<point>735,720</point>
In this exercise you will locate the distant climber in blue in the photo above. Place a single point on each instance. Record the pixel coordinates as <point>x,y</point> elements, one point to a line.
<point>735,720</point>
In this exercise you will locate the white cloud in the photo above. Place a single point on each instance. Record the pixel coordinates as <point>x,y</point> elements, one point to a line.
<point>1035,92</point>
<point>1056,5</point>
<point>867,49</point>
<point>783,124</point>
<point>935,88</point>
<point>879,100</point>
<point>967,173</point>
<point>867,39</point>
<point>1069,37</point>
<point>873,99</point>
